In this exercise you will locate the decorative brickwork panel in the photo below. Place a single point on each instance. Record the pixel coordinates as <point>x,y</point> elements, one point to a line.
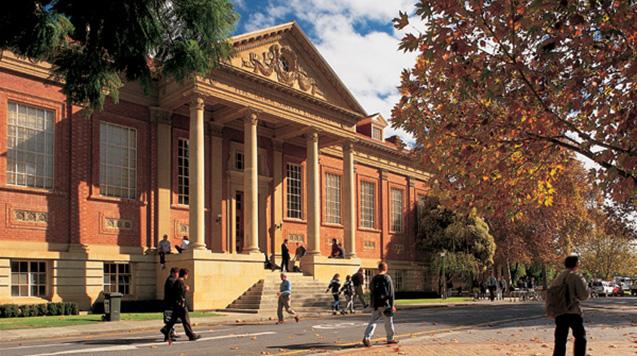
<point>27,218</point>
<point>295,237</point>
<point>114,225</point>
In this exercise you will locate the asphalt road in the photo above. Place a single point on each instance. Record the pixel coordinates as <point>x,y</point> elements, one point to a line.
<point>307,337</point>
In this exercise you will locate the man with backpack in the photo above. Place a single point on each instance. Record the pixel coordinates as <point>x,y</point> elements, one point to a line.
<point>382,299</point>
<point>563,303</point>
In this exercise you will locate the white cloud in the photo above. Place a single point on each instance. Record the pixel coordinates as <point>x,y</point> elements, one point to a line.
<point>368,61</point>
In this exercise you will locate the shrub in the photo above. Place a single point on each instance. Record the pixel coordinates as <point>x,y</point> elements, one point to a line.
<point>41,309</point>
<point>10,311</point>
<point>26,310</point>
<point>72,308</point>
<point>53,309</point>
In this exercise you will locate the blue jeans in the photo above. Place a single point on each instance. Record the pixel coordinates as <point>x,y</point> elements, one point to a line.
<point>389,324</point>
<point>336,304</point>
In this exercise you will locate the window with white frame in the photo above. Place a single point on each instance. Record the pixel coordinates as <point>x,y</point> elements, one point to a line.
<point>399,279</point>
<point>377,133</point>
<point>30,134</point>
<point>28,278</point>
<point>396,210</point>
<point>368,202</point>
<point>183,179</point>
<point>332,198</point>
<point>118,161</point>
<point>117,278</point>
<point>294,191</point>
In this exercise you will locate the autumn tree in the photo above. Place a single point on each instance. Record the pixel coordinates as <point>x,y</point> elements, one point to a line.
<point>93,45</point>
<point>611,250</point>
<point>503,93</point>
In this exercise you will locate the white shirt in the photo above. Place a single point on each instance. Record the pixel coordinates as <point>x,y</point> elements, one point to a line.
<point>184,244</point>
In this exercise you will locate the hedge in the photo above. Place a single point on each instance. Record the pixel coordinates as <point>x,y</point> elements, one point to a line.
<point>26,310</point>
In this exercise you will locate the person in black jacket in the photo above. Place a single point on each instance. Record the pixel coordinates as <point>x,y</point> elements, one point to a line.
<point>169,297</point>
<point>180,310</point>
<point>358,279</point>
<point>382,299</point>
<point>285,256</point>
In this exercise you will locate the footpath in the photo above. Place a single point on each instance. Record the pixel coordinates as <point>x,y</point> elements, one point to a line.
<point>119,327</point>
<point>611,331</point>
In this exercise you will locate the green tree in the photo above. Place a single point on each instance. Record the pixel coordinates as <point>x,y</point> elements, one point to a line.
<point>93,45</point>
<point>465,239</point>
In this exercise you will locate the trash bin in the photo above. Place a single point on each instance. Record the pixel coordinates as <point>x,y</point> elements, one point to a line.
<point>112,306</point>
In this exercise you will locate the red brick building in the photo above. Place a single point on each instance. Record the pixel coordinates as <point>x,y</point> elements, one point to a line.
<point>270,146</point>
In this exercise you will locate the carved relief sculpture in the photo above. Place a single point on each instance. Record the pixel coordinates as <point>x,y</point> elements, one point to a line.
<point>284,62</point>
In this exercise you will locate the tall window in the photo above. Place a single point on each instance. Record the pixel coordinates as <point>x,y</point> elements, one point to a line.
<point>30,135</point>
<point>333,198</point>
<point>399,279</point>
<point>396,210</point>
<point>182,171</point>
<point>117,277</point>
<point>294,190</point>
<point>239,160</point>
<point>118,161</point>
<point>368,200</point>
<point>28,279</point>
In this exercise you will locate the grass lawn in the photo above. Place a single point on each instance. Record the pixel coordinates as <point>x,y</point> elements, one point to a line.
<point>433,300</point>
<point>67,320</point>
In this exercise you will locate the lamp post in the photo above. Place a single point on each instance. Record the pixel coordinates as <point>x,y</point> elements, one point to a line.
<point>444,276</point>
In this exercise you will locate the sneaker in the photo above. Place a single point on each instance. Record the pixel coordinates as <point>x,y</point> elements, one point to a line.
<point>296,318</point>
<point>366,306</point>
<point>392,342</point>
<point>366,342</point>
<point>279,322</point>
<point>334,313</point>
<point>195,337</point>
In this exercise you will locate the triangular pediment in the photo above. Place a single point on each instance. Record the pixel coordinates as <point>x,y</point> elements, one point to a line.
<point>285,55</point>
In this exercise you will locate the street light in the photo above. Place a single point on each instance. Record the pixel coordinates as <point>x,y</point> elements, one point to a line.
<point>444,275</point>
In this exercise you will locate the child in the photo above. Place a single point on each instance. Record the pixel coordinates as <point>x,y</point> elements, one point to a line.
<point>348,291</point>
<point>334,287</point>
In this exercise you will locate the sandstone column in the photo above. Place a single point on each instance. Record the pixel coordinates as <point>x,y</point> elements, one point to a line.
<point>196,196</point>
<point>216,186</point>
<point>251,184</point>
<point>277,198</point>
<point>349,200</point>
<point>313,197</point>
<point>164,149</point>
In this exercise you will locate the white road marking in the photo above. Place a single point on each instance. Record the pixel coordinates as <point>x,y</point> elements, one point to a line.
<point>336,326</point>
<point>135,347</point>
<point>33,346</point>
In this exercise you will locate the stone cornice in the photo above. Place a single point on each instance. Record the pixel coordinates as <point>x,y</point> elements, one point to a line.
<point>13,63</point>
<point>395,165</point>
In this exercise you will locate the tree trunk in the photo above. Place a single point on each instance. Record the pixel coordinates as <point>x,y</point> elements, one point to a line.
<point>544,278</point>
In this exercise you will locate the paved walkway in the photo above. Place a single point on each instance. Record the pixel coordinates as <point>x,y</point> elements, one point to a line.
<point>610,331</point>
<point>105,328</point>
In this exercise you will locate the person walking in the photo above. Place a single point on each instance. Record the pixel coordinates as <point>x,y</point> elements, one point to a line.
<point>284,296</point>
<point>358,279</point>
<point>571,317</point>
<point>163,249</point>
<point>285,256</point>
<point>348,292</point>
<point>335,288</point>
<point>169,298</point>
<point>180,309</point>
<point>382,299</point>
<point>492,285</point>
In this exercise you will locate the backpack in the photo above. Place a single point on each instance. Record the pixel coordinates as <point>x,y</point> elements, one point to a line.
<point>380,289</point>
<point>557,300</point>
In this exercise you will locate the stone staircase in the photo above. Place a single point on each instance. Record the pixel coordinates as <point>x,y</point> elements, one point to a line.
<point>308,295</point>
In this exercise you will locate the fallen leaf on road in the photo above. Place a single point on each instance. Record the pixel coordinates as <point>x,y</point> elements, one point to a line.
<point>253,338</point>
<point>234,348</point>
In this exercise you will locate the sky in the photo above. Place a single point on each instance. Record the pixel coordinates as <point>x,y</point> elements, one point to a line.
<point>356,37</point>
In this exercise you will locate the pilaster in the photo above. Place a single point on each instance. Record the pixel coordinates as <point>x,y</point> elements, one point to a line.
<point>313,196</point>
